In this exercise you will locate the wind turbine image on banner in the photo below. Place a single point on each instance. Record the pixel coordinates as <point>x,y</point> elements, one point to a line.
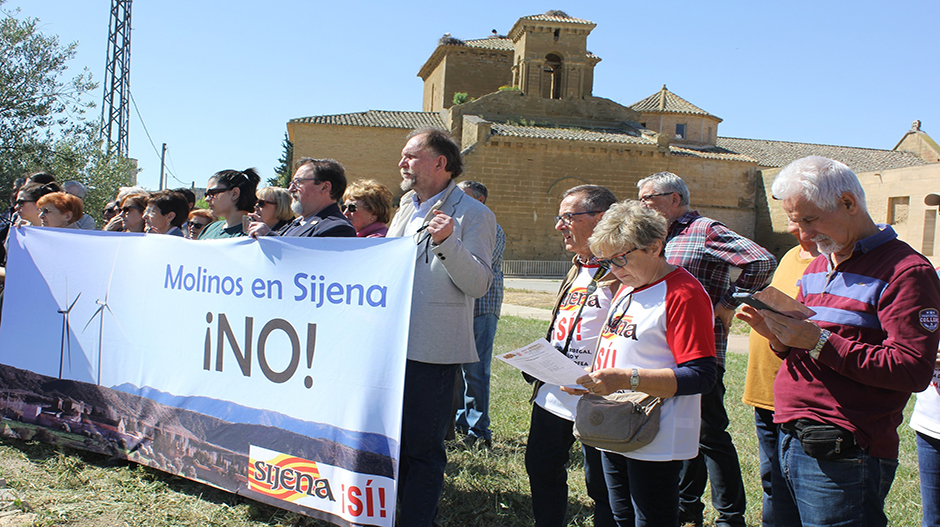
<point>102,305</point>
<point>66,330</point>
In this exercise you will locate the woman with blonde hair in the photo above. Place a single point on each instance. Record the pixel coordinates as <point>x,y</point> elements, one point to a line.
<point>368,206</point>
<point>273,207</point>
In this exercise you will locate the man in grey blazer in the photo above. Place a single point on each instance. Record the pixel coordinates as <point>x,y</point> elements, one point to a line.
<point>455,235</point>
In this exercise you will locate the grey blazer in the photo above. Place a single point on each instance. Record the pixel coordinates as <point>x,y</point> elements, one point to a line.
<point>448,277</point>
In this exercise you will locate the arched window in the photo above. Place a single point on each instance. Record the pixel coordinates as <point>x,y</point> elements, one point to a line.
<point>552,71</point>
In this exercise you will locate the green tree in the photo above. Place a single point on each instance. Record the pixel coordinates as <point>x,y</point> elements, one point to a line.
<point>39,104</point>
<point>284,165</point>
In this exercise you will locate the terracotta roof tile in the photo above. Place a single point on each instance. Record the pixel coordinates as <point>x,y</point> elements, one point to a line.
<point>377,118</point>
<point>571,134</point>
<point>666,101</point>
<point>780,153</point>
<point>711,152</point>
<point>555,18</point>
<point>501,43</point>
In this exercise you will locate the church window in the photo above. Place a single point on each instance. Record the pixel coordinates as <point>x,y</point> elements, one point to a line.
<point>680,130</point>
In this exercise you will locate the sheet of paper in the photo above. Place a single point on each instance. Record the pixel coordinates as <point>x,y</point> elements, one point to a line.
<point>542,361</point>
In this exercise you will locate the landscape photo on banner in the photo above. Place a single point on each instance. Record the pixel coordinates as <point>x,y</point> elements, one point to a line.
<point>271,368</point>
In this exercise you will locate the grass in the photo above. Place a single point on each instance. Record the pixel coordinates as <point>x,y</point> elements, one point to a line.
<point>482,488</point>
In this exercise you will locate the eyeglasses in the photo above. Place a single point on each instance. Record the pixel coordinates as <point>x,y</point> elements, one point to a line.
<point>649,197</point>
<point>566,218</point>
<point>296,181</point>
<point>126,209</point>
<point>213,191</point>
<point>350,207</point>
<point>262,202</point>
<point>44,211</point>
<point>619,260</point>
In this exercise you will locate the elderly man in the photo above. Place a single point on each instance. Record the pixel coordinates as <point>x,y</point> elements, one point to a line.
<point>709,250</point>
<point>78,190</point>
<point>579,314</point>
<point>848,372</point>
<point>473,411</point>
<point>317,186</point>
<point>455,235</point>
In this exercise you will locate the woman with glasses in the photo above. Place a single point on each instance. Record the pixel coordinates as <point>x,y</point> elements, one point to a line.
<point>368,206</point>
<point>198,220</point>
<point>60,210</point>
<point>658,339</point>
<point>132,212</point>
<point>273,207</point>
<point>231,196</point>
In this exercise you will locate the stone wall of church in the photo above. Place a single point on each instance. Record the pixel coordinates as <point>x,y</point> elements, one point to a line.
<point>475,72</point>
<point>526,179</point>
<point>366,152</point>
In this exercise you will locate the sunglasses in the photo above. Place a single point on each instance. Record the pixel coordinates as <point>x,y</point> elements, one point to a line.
<point>25,201</point>
<point>126,209</point>
<point>262,202</point>
<point>214,191</point>
<point>350,207</point>
<point>196,226</point>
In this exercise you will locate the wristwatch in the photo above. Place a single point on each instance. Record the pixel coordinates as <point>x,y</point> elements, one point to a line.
<point>635,379</point>
<point>823,338</point>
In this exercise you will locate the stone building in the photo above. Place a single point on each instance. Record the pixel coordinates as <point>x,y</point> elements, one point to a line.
<point>531,128</point>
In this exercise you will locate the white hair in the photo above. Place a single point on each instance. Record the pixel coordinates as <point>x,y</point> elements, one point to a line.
<point>820,181</point>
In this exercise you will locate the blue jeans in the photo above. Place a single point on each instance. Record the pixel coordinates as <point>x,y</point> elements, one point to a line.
<point>652,500</point>
<point>474,416</point>
<point>546,455</point>
<point>769,467</point>
<point>822,493</point>
<point>717,461</point>
<point>928,457</point>
<point>425,418</point>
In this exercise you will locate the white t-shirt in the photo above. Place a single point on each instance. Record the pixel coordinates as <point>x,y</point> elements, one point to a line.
<point>926,416</point>
<point>663,324</point>
<point>583,341</point>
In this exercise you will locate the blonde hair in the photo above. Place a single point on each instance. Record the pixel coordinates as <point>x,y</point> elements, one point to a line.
<point>281,198</point>
<point>625,224</point>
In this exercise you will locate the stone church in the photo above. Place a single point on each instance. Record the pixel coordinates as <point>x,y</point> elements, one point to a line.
<point>530,128</point>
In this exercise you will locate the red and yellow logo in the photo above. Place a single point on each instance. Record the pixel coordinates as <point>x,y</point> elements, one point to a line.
<point>287,478</point>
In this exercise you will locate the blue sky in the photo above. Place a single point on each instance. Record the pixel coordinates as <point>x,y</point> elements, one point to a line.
<point>218,81</point>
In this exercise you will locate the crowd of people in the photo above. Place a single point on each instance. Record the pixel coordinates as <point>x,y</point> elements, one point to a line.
<point>645,307</point>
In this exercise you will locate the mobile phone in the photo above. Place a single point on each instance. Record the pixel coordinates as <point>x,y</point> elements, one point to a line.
<point>749,299</point>
<point>246,221</point>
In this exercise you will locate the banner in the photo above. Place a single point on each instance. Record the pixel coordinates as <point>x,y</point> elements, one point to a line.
<point>271,368</point>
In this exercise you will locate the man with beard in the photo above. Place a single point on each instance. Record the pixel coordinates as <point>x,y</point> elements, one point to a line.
<point>849,371</point>
<point>317,186</point>
<point>455,235</point>
<point>709,250</point>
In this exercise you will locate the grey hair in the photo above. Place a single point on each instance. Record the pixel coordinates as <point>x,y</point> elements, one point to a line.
<point>820,181</point>
<point>75,188</point>
<point>667,182</point>
<point>596,197</point>
<point>477,189</point>
<point>626,224</point>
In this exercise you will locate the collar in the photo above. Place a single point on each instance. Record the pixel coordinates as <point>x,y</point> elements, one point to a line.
<point>320,214</point>
<point>688,217</point>
<point>434,199</point>
<point>885,234</point>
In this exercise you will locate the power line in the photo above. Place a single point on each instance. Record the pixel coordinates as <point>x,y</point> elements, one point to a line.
<point>152,144</point>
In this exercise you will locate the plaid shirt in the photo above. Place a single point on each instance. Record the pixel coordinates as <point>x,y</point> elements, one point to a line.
<point>492,301</point>
<point>707,249</point>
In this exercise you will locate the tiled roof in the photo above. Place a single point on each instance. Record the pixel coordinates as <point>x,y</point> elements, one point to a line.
<point>666,101</point>
<point>569,134</point>
<point>378,118</point>
<point>779,153</point>
<point>711,152</point>
<point>502,43</point>
<point>556,18</point>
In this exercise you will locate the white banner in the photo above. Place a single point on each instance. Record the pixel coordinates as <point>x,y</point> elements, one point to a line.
<point>183,355</point>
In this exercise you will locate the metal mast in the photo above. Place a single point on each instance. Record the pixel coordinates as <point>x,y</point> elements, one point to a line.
<point>115,111</point>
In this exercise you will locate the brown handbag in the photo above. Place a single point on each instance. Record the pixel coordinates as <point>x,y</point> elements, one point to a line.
<point>619,422</point>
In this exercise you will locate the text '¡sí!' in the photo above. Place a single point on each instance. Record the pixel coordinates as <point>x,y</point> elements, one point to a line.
<point>304,288</point>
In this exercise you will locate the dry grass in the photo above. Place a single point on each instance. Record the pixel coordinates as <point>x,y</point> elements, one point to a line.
<point>524,297</point>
